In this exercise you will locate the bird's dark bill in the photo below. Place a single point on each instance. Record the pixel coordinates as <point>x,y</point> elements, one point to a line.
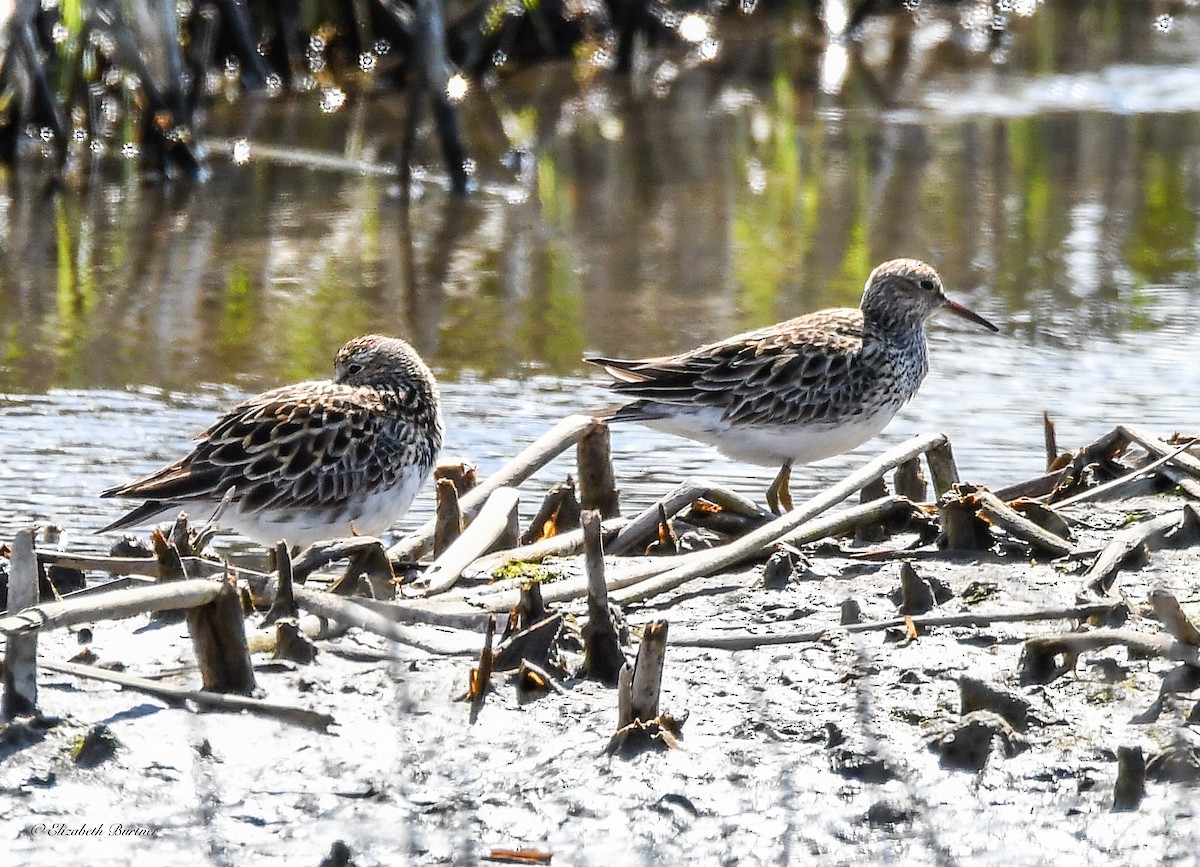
<point>970,315</point>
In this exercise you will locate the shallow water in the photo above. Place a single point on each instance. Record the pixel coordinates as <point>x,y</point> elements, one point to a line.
<point>1052,180</point>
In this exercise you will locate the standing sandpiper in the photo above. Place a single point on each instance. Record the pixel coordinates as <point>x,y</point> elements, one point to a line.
<point>806,389</point>
<point>310,461</point>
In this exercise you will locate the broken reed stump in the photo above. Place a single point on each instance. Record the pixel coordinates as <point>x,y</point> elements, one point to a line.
<point>284,603</point>
<point>597,482</point>
<point>942,468</point>
<point>531,644</point>
<point>167,553</point>
<point>1130,786</point>
<point>20,657</point>
<point>916,593</point>
<point>292,644</point>
<point>481,676</point>
<point>464,476</point>
<point>558,514</point>
<point>170,561</point>
<point>962,527</point>
<point>1051,441</point>
<point>602,655</point>
<point>218,633</point>
<point>449,517</point>
<point>494,521</point>
<point>640,725</point>
<point>909,482</point>
<point>875,490</point>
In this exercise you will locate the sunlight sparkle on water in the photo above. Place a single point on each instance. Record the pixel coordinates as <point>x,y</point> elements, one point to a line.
<point>457,87</point>
<point>241,152</point>
<point>332,99</point>
<point>834,65</point>
<point>836,16</point>
<point>611,128</point>
<point>693,28</point>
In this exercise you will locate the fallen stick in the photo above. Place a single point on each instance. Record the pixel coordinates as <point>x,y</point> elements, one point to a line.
<point>539,453</point>
<point>743,640</point>
<point>1183,481</point>
<point>440,611</point>
<point>533,667</point>
<point>501,598</point>
<point>1099,577</point>
<point>1160,449</point>
<point>644,525</point>
<point>320,554</point>
<point>1122,481</point>
<point>310,625</point>
<point>706,562</point>
<point>502,595</point>
<point>115,605</point>
<point>1020,527</point>
<point>1039,658</point>
<point>1033,488</point>
<point>352,614</point>
<point>562,545</point>
<point>850,520</point>
<point>197,567</point>
<point>492,522</point>
<point>176,695</point>
<point>147,566</point>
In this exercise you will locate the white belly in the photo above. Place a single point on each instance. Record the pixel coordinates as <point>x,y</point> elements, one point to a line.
<point>370,515</point>
<point>774,444</point>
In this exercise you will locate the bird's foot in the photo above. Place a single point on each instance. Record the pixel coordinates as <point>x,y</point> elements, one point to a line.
<point>779,494</point>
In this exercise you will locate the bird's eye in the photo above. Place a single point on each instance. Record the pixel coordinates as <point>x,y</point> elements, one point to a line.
<point>354,368</point>
<point>927,285</point>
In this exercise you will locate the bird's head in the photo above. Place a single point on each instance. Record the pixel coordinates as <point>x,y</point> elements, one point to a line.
<point>906,292</point>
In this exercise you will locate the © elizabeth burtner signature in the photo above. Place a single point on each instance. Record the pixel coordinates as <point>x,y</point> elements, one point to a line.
<point>112,829</point>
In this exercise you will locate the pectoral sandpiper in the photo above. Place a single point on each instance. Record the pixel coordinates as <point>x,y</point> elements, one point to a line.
<point>310,461</point>
<point>808,388</point>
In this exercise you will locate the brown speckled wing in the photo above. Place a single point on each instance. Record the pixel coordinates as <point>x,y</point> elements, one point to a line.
<point>298,446</point>
<point>815,368</point>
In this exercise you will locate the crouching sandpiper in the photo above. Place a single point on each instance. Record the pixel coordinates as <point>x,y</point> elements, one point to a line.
<point>310,461</point>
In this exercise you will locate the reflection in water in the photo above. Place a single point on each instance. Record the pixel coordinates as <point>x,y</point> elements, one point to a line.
<point>645,216</point>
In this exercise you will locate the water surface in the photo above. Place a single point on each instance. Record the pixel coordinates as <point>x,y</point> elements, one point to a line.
<point>1049,172</point>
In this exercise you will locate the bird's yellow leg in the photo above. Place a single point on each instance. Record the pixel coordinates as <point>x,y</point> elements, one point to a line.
<point>779,494</point>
